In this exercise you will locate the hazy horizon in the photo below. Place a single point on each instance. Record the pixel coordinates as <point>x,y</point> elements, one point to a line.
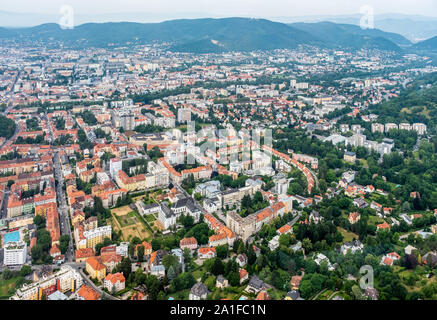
<point>225,7</point>
<point>30,12</point>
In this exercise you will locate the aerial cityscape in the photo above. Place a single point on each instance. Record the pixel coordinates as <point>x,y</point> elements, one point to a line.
<point>225,158</point>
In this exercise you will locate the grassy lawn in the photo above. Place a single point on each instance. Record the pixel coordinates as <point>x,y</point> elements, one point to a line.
<point>348,236</point>
<point>180,295</point>
<point>149,218</point>
<point>5,286</point>
<point>325,295</point>
<point>422,281</point>
<point>276,294</point>
<point>131,225</point>
<point>126,220</point>
<point>143,221</point>
<point>375,220</point>
<point>198,274</point>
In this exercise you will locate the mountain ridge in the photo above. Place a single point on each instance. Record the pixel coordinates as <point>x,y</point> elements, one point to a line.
<point>214,35</point>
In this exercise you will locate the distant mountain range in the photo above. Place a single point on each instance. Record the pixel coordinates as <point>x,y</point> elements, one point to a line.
<point>347,35</point>
<point>413,27</point>
<point>427,45</point>
<point>218,35</point>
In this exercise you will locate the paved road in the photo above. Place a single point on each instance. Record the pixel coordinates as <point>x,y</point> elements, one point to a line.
<point>92,284</point>
<point>4,207</point>
<point>63,207</point>
<point>317,295</point>
<point>292,222</point>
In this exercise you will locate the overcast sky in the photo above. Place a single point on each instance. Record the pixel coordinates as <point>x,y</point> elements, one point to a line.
<point>255,8</point>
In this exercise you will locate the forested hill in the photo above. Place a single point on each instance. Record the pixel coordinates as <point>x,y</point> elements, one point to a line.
<point>212,35</point>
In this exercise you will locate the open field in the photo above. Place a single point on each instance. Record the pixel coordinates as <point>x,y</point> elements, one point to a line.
<point>348,236</point>
<point>375,220</point>
<point>420,278</point>
<point>121,211</point>
<point>5,286</point>
<point>129,223</point>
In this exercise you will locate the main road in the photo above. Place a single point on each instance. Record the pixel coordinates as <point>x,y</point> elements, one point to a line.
<point>64,217</point>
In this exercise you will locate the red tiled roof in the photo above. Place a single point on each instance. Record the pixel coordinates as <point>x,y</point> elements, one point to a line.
<point>88,293</point>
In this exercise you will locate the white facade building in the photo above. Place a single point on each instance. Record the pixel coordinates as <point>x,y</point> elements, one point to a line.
<point>15,253</point>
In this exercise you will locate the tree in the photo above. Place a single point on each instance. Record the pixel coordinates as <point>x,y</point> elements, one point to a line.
<point>187,221</point>
<point>251,255</point>
<point>36,253</point>
<point>241,248</point>
<point>285,240</point>
<point>140,253</point>
<point>7,127</point>
<point>307,245</point>
<point>39,221</point>
<point>156,244</point>
<point>170,260</point>
<point>153,286</point>
<point>236,245</point>
<point>246,201</point>
<point>200,231</point>
<point>306,289</point>
<point>188,182</point>
<point>217,267</point>
<point>222,251</point>
<point>25,270</point>
<point>357,292</point>
<point>125,267</point>
<point>7,274</point>
<point>210,283</point>
<point>64,240</point>
<point>171,274</point>
<point>197,196</point>
<point>234,278</point>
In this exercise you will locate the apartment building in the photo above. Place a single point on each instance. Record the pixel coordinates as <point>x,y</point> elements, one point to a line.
<point>246,227</point>
<point>95,268</point>
<point>114,282</point>
<point>15,253</point>
<point>66,279</point>
<point>90,238</point>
